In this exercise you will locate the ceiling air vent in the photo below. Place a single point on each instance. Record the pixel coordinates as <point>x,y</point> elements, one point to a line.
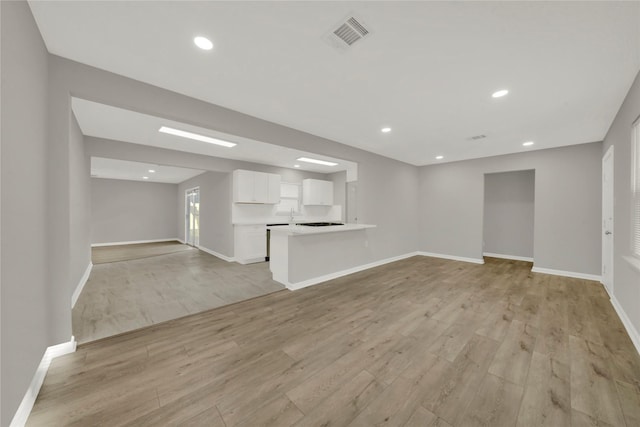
<point>347,32</point>
<point>477,137</point>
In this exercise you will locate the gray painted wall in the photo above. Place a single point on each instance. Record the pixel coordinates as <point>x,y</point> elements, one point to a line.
<point>626,287</point>
<point>567,206</point>
<point>339,191</point>
<point>509,213</point>
<point>123,211</point>
<point>80,197</point>
<point>216,231</point>
<point>25,294</point>
<point>216,198</point>
<point>380,202</point>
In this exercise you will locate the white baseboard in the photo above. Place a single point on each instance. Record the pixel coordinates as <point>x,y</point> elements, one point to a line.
<point>452,257</point>
<point>503,256</point>
<point>135,242</point>
<point>631,330</point>
<point>573,274</point>
<point>216,254</point>
<point>181,241</point>
<point>331,276</point>
<point>22,414</point>
<point>81,283</point>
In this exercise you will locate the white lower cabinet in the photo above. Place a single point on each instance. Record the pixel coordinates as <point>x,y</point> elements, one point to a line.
<point>250,243</point>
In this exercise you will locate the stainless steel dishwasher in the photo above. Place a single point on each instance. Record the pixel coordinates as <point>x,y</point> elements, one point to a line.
<point>269,240</point>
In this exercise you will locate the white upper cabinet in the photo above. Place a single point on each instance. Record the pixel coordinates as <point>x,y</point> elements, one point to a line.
<point>317,192</point>
<point>255,187</point>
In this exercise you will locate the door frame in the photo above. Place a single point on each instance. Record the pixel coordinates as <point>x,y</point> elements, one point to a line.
<point>186,213</point>
<point>608,159</point>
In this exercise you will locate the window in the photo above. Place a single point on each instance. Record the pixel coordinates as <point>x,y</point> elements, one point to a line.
<point>635,189</point>
<point>289,198</point>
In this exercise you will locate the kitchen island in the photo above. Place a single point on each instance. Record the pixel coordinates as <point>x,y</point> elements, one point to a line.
<point>303,255</point>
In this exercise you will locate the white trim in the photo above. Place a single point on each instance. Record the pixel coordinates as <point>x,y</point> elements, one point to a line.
<point>631,330</point>
<point>452,257</point>
<point>633,262</point>
<point>215,254</point>
<point>250,260</point>
<point>331,276</point>
<point>503,256</point>
<point>135,242</point>
<point>24,410</point>
<point>574,274</point>
<point>81,283</point>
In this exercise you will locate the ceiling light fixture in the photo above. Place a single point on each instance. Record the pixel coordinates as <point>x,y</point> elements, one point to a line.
<point>185,134</point>
<point>145,177</point>
<point>296,166</point>
<point>439,157</point>
<point>317,162</point>
<point>203,43</point>
<point>152,171</point>
<point>528,143</point>
<point>500,93</point>
<point>385,130</point>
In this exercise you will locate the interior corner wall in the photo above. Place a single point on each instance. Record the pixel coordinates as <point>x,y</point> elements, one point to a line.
<point>567,206</point>
<point>25,282</point>
<point>127,211</point>
<point>80,209</point>
<point>386,199</point>
<point>509,202</point>
<point>626,287</point>
<point>216,231</point>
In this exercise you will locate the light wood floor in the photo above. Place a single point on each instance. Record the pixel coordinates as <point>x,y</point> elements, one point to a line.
<point>105,254</point>
<point>419,342</point>
<point>128,295</point>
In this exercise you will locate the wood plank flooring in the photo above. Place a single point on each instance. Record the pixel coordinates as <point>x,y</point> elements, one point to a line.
<point>418,342</point>
<point>128,295</point>
<point>105,254</point>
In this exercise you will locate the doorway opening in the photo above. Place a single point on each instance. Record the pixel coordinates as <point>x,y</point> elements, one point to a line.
<point>508,223</point>
<point>192,217</point>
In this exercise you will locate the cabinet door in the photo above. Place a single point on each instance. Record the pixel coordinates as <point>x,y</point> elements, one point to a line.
<point>325,190</point>
<point>250,243</point>
<point>274,189</point>
<point>317,192</point>
<point>260,187</point>
<point>243,186</point>
<point>255,244</point>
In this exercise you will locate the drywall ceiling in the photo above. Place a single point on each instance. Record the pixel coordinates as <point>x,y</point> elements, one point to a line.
<point>136,171</point>
<point>427,69</point>
<point>105,121</point>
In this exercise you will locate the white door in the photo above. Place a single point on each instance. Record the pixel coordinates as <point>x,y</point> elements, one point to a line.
<point>607,220</point>
<point>192,214</point>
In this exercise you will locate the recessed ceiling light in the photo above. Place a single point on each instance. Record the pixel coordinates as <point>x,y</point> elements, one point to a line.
<point>500,93</point>
<point>185,134</point>
<point>439,157</point>
<point>152,171</point>
<point>145,177</point>
<point>317,162</point>
<point>528,143</point>
<point>296,166</point>
<point>203,43</point>
<point>385,130</point>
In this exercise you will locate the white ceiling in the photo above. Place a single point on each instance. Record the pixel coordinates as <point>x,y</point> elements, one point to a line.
<point>135,171</point>
<point>427,70</point>
<point>105,121</point>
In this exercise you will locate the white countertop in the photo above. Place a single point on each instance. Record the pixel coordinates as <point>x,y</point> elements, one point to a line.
<point>299,230</point>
